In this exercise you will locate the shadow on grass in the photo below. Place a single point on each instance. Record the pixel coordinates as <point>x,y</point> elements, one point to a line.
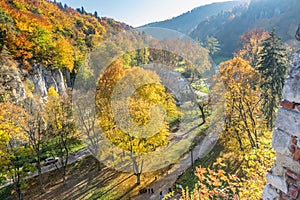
<point>128,191</point>
<point>83,177</point>
<point>5,193</point>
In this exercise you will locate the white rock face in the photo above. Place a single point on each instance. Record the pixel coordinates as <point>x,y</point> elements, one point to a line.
<point>19,91</point>
<point>43,79</point>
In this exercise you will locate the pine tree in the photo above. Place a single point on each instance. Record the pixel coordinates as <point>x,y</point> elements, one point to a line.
<point>212,44</point>
<point>272,65</point>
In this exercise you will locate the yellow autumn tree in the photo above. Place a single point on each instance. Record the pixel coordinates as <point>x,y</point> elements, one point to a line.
<point>242,109</point>
<point>16,155</point>
<point>245,137</point>
<point>256,163</point>
<point>64,54</point>
<point>145,127</point>
<point>61,128</point>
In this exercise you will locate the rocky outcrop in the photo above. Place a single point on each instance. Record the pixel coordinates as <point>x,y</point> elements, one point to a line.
<point>16,84</point>
<point>43,79</point>
<point>284,178</point>
<point>11,86</point>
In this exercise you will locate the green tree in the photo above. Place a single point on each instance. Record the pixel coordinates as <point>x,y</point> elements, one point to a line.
<point>43,51</point>
<point>272,66</point>
<point>212,44</point>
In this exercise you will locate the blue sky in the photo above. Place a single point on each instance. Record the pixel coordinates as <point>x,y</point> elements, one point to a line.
<point>138,12</point>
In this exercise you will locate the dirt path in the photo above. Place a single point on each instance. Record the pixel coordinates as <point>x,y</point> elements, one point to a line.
<point>171,176</point>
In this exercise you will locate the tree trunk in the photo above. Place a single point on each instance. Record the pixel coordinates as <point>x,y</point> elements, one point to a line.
<point>20,197</point>
<point>138,178</point>
<point>65,163</point>
<point>98,165</point>
<point>18,188</point>
<point>39,168</point>
<point>41,178</point>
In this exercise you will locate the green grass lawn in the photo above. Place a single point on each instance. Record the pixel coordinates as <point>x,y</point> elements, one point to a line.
<point>50,149</point>
<point>203,89</point>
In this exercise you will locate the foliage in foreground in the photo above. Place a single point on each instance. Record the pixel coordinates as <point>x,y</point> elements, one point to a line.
<point>213,183</point>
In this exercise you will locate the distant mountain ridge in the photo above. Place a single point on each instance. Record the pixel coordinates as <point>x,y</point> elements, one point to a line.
<point>186,22</point>
<point>227,21</point>
<point>227,27</point>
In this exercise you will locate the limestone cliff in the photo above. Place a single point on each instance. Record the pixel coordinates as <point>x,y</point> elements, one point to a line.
<point>15,84</point>
<point>43,79</point>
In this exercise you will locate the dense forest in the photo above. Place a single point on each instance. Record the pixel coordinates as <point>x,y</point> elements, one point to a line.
<point>44,32</point>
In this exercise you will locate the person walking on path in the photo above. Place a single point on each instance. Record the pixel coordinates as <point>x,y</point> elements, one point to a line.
<point>160,195</point>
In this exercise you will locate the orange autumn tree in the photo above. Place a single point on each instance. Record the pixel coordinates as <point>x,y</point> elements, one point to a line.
<point>213,183</point>
<point>251,45</point>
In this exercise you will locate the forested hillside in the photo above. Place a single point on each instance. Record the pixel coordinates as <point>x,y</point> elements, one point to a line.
<point>51,34</point>
<point>42,36</point>
<point>228,26</point>
<point>186,22</point>
<point>228,21</point>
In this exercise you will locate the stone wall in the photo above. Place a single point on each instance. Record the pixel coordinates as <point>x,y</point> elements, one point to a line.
<point>284,177</point>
